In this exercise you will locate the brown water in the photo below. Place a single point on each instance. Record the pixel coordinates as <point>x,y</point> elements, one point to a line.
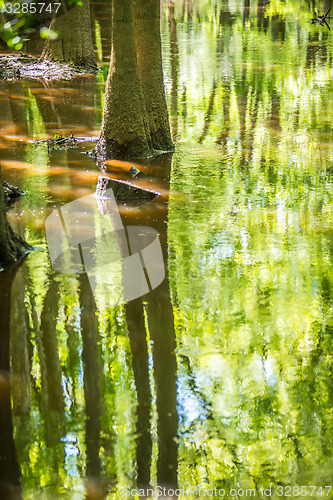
<point>221,377</point>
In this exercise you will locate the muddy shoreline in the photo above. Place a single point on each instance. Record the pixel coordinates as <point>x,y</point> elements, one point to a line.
<point>17,66</point>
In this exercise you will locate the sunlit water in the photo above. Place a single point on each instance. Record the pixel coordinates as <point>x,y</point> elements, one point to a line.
<point>221,377</point>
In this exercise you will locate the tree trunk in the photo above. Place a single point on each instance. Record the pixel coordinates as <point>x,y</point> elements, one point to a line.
<point>149,54</point>
<point>125,132</point>
<point>135,123</point>
<point>12,245</point>
<point>74,44</point>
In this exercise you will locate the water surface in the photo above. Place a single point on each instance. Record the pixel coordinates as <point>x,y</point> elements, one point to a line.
<point>221,376</point>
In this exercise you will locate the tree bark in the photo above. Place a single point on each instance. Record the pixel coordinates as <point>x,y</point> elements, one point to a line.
<point>125,132</point>
<point>149,54</point>
<point>12,246</point>
<point>135,123</point>
<point>74,44</point>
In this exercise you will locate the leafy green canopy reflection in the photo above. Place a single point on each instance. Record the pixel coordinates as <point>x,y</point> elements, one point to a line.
<point>250,262</point>
<point>251,270</point>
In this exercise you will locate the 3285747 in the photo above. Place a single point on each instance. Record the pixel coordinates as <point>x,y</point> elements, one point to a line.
<point>30,8</point>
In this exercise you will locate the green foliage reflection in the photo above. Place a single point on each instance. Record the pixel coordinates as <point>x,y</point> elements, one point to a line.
<point>250,259</point>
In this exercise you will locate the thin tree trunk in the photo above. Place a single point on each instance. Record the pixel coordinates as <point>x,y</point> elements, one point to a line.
<point>149,54</point>
<point>74,44</point>
<point>209,113</point>
<point>246,11</point>
<point>226,122</point>
<point>43,394</point>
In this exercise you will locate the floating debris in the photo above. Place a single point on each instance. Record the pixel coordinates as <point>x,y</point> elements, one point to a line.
<point>322,20</point>
<point>133,171</point>
<point>123,190</point>
<point>64,142</point>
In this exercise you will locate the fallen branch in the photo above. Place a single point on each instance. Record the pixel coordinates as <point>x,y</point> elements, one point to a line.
<point>63,142</point>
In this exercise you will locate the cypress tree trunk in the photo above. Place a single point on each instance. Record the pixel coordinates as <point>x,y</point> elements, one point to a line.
<point>74,44</point>
<point>12,245</point>
<point>125,131</point>
<point>149,54</point>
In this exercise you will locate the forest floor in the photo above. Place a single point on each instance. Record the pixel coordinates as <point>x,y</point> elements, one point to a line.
<point>16,66</point>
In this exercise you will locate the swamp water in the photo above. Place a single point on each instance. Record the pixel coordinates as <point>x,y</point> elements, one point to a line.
<point>221,377</point>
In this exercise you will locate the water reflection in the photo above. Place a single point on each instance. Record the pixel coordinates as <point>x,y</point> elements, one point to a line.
<point>222,374</point>
<point>91,379</point>
<point>9,468</point>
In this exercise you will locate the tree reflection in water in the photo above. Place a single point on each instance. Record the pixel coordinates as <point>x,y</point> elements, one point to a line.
<point>231,380</point>
<point>9,467</point>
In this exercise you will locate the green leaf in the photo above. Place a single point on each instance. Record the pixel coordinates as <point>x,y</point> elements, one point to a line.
<point>48,33</point>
